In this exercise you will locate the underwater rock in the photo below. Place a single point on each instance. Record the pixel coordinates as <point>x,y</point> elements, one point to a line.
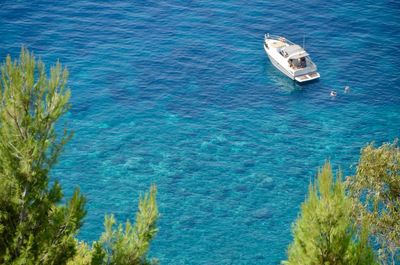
<point>267,182</point>
<point>263,213</point>
<point>259,257</point>
<point>242,188</point>
<point>249,163</point>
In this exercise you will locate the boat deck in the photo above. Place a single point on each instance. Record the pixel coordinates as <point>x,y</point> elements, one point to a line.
<point>277,44</point>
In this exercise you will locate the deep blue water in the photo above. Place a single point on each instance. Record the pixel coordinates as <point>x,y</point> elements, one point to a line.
<point>181,94</point>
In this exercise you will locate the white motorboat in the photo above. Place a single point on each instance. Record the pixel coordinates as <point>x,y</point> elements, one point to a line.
<point>290,59</point>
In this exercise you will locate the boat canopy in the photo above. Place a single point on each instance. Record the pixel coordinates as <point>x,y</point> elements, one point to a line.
<point>295,52</point>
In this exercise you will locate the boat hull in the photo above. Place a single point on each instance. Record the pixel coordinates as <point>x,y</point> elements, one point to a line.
<point>280,67</point>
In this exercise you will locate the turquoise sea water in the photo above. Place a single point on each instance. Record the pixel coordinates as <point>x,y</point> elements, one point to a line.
<point>181,94</point>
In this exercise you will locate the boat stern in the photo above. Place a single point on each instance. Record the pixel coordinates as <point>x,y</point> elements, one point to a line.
<point>307,77</point>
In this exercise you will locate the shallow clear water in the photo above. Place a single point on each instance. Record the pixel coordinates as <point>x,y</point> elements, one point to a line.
<point>181,94</point>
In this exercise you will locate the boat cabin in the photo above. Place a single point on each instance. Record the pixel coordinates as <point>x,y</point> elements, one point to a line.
<point>296,56</point>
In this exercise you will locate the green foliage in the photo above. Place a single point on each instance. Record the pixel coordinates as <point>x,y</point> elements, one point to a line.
<point>124,246</point>
<point>83,255</point>
<point>35,228</point>
<point>130,245</point>
<point>324,232</point>
<point>376,190</point>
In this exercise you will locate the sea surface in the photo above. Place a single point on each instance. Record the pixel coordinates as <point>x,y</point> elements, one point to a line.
<point>182,95</point>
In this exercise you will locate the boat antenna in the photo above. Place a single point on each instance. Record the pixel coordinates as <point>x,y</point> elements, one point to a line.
<point>304,41</point>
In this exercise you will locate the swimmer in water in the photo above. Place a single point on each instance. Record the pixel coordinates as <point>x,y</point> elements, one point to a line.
<point>346,89</point>
<point>333,93</point>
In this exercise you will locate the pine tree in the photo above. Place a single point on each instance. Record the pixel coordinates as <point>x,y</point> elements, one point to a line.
<point>324,233</point>
<point>376,190</point>
<point>35,227</point>
<point>127,245</point>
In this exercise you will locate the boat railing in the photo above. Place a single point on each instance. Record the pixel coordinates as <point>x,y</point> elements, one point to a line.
<point>310,63</point>
<point>276,37</point>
